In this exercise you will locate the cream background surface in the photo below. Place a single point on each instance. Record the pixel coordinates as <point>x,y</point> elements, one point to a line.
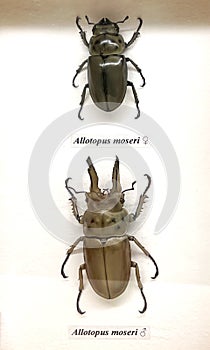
<point>40,50</point>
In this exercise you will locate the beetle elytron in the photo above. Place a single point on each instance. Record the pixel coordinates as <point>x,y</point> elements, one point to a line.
<point>106,245</point>
<point>107,66</point>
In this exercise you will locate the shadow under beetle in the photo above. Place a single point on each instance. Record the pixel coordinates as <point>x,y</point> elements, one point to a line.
<point>107,67</point>
<point>106,245</point>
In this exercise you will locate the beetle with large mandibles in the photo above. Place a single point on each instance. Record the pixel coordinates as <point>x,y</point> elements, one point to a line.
<point>107,66</point>
<point>106,244</point>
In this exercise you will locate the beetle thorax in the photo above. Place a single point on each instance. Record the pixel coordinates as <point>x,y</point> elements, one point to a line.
<point>102,202</point>
<point>106,44</point>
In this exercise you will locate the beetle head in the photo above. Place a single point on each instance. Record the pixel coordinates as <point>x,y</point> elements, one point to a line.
<point>105,26</point>
<point>98,199</point>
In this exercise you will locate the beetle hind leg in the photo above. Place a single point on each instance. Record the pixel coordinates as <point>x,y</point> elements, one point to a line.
<point>132,238</point>
<point>129,83</point>
<point>138,278</point>
<point>81,287</point>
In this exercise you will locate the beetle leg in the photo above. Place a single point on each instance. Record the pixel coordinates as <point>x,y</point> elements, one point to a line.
<point>129,83</point>
<point>81,287</point>
<point>143,197</point>
<point>75,210</point>
<point>138,278</point>
<point>130,189</point>
<point>69,251</point>
<point>135,34</point>
<point>138,70</point>
<point>133,239</point>
<point>73,200</point>
<point>82,100</point>
<point>82,32</point>
<point>77,72</point>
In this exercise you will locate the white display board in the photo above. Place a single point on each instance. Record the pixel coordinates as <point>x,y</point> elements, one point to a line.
<point>37,64</point>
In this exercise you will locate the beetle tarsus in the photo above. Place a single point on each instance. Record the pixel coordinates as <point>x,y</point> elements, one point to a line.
<point>149,183</point>
<point>157,270</point>
<point>138,279</point>
<point>145,302</point>
<point>133,239</point>
<point>78,308</point>
<point>77,22</point>
<point>129,83</point>
<point>63,265</point>
<point>73,81</point>
<point>135,34</point>
<point>82,100</point>
<point>81,287</point>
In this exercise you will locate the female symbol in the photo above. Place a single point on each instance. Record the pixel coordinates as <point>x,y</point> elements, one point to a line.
<point>145,139</point>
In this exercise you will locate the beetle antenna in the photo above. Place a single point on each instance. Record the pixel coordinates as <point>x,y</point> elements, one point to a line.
<point>125,19</point>
<point>78,308</point>
<point>130,189</point>
<point>149,183</point>
<point>63,265</point>
<point>87,19</point>
<point>145,302</point>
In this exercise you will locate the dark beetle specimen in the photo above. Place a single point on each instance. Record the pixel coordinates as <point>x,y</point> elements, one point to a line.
<point>106,245</point>
<point>107,67</point>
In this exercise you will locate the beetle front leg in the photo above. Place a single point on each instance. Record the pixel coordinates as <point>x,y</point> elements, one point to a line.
<point>82,100</point>
<point>138,278</point>
<point>135,34</point>
<point>143,197</point>
<point>81,287</point>
<point>138,70</point>
<point>75,210</point>
<point>73,200</point>
<point>82,32</point>
<point>129,83</point>
<point>133,239</point>
<point>69,251</point>
<point>77,72</point>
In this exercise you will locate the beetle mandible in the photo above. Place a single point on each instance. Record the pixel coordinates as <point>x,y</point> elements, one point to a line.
<point>107,66</point>
<point>106,245</point>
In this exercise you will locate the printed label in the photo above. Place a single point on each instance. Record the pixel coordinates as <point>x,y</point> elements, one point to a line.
<point>108,332</point>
